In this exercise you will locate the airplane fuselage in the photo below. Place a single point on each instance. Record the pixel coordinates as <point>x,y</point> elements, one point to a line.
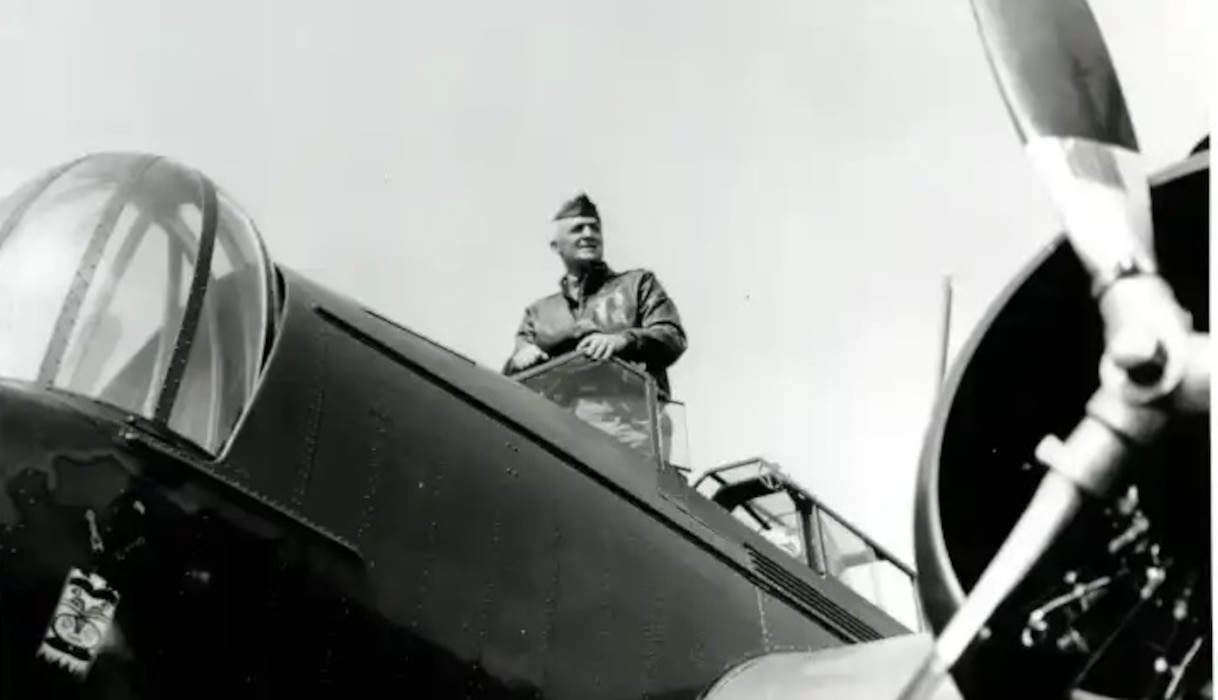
<point>386,515</point>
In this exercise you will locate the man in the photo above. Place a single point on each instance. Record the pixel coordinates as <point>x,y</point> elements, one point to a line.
<point>598,311</point>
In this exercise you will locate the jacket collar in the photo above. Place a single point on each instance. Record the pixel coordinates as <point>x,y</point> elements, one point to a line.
<point>578,288</point>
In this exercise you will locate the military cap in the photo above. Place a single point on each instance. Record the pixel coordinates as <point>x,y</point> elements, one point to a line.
<point>579,206</point>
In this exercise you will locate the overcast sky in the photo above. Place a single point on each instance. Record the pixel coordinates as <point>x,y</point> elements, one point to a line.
<point>800,174</point>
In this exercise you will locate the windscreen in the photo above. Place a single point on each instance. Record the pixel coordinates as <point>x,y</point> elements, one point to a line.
<point>609,396</point>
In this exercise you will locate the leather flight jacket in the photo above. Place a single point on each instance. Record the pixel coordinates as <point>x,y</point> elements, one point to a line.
<point>632,304</point>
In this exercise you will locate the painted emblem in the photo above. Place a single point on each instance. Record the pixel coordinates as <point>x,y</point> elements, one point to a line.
<point>610,311</point>
<point>81,623</point>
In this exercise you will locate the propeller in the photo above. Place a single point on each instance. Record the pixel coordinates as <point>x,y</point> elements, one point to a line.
<point>1062,93</point>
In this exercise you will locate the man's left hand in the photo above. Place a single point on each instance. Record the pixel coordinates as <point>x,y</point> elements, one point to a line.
<point>602,346</point>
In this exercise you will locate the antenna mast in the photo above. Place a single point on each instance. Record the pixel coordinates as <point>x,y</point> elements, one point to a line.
<point>945,334</point>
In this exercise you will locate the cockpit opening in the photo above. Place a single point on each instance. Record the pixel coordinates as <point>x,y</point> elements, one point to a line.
<point>623,401</point>
<point>133,280</point>
<point>619,399</point>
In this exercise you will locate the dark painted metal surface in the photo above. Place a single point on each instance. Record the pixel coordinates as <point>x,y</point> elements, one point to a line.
<point>387,516</point>
<point>1027,372</point>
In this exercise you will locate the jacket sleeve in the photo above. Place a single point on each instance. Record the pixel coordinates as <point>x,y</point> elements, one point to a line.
<point>659,339</point>
<point>525,333</point>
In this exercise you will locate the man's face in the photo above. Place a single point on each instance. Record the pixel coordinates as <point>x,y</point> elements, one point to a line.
<point>578,240</point>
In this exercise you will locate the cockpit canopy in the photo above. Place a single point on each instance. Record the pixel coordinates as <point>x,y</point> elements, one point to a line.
<point>762,497</point>
<point>133,280</point>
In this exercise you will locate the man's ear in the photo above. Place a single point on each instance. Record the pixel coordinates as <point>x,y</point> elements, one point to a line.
<point>554,245</point>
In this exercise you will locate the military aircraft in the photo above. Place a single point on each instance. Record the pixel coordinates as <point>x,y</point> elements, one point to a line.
<point>220,477</point>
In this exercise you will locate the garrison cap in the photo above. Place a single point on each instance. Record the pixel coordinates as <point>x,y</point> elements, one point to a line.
<point>579,206</point>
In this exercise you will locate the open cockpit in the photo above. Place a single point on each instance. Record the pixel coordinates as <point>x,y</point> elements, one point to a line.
<point>623,401</point>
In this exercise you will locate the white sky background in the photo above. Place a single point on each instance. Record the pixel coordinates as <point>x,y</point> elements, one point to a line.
<point>800,174</point>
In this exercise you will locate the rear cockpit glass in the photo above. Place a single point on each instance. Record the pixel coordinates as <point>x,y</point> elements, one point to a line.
<point>762,497</point>
<point>133,280</point>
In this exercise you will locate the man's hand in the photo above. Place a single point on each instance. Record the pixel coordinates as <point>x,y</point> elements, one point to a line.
<point>527,356</point>
<point>602,346</point>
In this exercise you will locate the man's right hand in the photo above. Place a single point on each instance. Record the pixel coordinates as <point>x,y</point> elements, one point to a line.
<point>527,356</point>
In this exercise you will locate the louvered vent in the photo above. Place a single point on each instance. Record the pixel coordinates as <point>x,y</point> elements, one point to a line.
<point>790,586</point>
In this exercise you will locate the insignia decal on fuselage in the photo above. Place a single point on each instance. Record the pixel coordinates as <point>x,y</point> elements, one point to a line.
<point>81,623</point>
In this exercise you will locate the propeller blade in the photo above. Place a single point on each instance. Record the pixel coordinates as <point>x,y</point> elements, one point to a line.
<point>1061,91</point>
<point>1054,70</point>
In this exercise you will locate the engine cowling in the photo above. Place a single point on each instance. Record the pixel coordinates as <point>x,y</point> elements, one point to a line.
<point>1121,606</point>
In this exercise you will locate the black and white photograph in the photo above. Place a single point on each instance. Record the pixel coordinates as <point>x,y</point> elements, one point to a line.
<point>670,350</point>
